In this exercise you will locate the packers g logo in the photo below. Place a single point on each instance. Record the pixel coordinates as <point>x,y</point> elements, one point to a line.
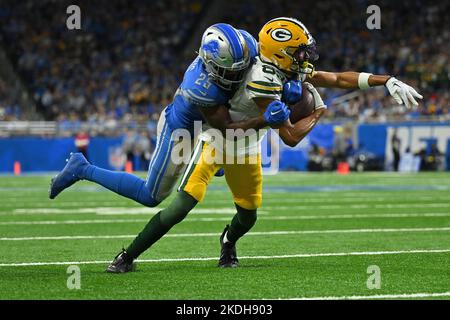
<point>281,34</point>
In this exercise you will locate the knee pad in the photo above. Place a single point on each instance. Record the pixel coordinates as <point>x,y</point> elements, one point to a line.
<point>196,190</point>
<point>146,199</point>
<point>251,202</point>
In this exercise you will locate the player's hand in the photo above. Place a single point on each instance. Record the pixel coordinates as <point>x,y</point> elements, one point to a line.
<point>277,112</point>
<point>318,102</point>
<point>220,172</point>
<point>292,92</point>
<point>402,93</point>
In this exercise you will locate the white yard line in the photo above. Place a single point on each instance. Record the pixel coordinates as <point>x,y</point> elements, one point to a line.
<point>299,199</point>
<point>115,211</point>
<point>224,210</point>
<point>286,256</point>
<point>193,235</point>
<point>56,222</point>
<point>377,296</point>
<point>272,218</point>
<point>359,206</point>
<point>338,200</point>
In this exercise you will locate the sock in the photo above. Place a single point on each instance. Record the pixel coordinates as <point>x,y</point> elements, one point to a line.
<point>122,183</point>
<point>242,222</point>
<point>161,223</point>
<point>151,233</point>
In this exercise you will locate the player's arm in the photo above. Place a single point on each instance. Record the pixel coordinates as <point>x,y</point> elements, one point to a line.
<point>219,118</point>
<point>293,134</point>
<point>344,80</point>
<point>401,92</point>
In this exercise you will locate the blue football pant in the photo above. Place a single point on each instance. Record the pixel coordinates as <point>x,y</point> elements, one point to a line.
<point>163,172</point>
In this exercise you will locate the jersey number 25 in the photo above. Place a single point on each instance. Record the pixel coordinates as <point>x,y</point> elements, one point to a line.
<point>203,81</point>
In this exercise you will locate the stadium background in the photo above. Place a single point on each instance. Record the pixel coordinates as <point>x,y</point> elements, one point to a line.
<point>109,81</point>
<point>317,235</point>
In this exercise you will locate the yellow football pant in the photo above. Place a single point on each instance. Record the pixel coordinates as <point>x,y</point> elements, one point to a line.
<point>244,180</point>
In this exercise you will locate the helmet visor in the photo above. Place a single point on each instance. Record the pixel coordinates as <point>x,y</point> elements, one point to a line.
<point>232,75</point>
<point>305,53</point>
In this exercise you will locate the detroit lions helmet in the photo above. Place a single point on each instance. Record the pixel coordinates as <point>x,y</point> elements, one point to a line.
<point>225,54</point>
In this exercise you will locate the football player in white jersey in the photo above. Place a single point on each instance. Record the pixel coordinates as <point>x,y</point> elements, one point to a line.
<point>286,52</point>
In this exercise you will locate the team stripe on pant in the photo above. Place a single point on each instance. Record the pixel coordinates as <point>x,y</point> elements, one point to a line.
<point>192,163</point>
<point>160,160</point>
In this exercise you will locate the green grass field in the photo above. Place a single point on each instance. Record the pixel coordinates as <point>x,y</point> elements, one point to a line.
<point>316,236</point>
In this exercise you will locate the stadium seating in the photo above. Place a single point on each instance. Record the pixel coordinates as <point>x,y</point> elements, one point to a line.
<point>125,64</point>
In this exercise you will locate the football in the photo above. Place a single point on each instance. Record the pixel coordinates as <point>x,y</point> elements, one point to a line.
<point>304,107</point>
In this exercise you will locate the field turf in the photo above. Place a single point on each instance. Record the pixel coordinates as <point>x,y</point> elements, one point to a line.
<point>316,236</point>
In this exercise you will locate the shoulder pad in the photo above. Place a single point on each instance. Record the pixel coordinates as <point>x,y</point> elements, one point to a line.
<point>265,80</point>
<point>198,89</point>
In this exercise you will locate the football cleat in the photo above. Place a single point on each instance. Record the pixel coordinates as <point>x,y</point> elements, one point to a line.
<point>69,175</point>
<point>122,263</point>
<point>228,256</point>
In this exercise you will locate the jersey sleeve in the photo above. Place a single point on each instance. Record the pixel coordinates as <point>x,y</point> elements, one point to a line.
<point>201,98</point>
<point>262,83</point>
<point>197,89</point>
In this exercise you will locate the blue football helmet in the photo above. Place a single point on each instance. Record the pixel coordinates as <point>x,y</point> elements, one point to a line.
<point>225,54</point>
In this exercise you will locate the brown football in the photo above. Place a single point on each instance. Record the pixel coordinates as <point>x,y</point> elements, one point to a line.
<point>304,107</point>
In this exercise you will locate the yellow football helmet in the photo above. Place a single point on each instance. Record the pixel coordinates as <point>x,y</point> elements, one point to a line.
<point>286,43</point>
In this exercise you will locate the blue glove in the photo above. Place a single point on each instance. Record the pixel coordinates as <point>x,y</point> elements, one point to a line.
<point>276,113</point>
<point>220,172</point>
<point>292,92</point>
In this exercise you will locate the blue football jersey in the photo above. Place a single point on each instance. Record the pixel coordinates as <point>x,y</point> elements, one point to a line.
<point>198,91</point>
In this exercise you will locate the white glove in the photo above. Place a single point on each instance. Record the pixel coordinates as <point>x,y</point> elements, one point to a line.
<point>318,102</point>
<point>402,93</point>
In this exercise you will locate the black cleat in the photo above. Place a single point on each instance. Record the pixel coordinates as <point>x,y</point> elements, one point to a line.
<point>228,256</point>
<point>122,263</point>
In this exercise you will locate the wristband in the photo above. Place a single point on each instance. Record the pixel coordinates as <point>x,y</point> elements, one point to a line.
<point>363,80</point>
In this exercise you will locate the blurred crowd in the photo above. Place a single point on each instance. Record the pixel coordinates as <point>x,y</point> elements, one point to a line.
<point>9,104</point>
<point>123,65</point>
<point>126,62</point>
<point>413,44</point>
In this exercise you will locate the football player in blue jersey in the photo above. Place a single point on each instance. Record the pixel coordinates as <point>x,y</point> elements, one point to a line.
<point>209,82</point>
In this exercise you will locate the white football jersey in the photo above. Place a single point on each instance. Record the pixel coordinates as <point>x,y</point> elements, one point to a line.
<point>262,80</point>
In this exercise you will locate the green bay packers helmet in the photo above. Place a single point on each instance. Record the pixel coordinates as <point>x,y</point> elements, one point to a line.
<point>287,43</point>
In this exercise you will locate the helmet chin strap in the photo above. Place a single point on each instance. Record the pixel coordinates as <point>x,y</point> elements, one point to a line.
<point>307,68</point>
